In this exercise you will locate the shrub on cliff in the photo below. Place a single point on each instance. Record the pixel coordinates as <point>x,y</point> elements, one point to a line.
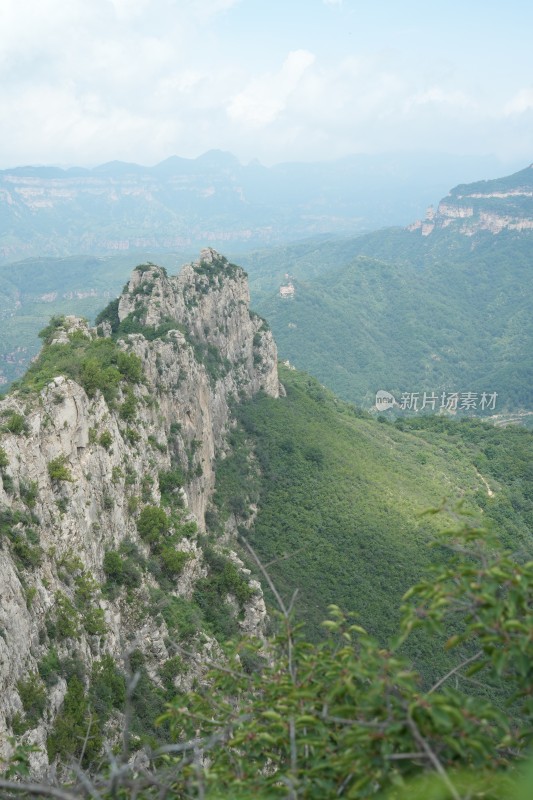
<point>152,524</point>
<point>58,470</point>
<point>97,364</point>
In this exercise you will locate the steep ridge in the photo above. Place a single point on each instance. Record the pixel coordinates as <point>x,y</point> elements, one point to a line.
<point>115,464</point>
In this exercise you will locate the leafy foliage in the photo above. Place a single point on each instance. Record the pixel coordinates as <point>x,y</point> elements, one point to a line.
<point>170,481</point>
<point>14,423</point>
<point>340,498</point>
<point>348,717</point>
<point>73,733</point>
<point>58,470</point>
<point>105,440</point>
<point>211,593</point>
<point>50,667</point>
<point>209,355</point>
<point>152,524</point>
<point>121,569</point>
<point>107,691</point>
<point>183,617</point>
<point>173,560</point>
<point>132,324</point>
<point>109,314</point>
<point>32,694</point>
<point>19,527</point>
<point>97,364</point>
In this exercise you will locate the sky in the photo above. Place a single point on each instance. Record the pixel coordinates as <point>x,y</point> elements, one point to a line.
<point>83,82</point>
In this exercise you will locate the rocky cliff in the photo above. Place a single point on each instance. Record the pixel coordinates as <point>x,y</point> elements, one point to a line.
<point>493,206</point>
<point>107,455</point>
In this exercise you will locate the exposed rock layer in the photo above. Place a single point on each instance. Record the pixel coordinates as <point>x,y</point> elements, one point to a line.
<point>493,206</point>
<point>183,411</point>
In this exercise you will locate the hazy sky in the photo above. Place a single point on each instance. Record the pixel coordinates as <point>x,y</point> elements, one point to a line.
<point>88,81</point>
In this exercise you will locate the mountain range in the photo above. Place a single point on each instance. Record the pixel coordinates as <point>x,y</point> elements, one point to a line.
<point>442,306</point>
<point>182,204</point>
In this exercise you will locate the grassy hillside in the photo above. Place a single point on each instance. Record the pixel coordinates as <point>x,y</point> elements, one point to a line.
<point>341,497</point>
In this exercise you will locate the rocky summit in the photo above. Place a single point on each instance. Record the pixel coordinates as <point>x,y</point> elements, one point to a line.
<point>107,451</point>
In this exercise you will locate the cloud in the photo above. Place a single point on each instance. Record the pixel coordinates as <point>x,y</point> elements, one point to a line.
<point>265,97</point>
<point>438,96</point>
<point>128,9</point>
<point>522,101</point>
<point>206,9</point>
<point>84,82</point>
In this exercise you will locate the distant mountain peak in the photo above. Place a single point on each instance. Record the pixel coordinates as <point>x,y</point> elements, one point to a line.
<point>218,158</point>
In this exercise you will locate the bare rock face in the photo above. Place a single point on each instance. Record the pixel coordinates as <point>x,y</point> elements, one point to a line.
<point>219,350</point>
<point>492,206</point>
<point>75,471</point>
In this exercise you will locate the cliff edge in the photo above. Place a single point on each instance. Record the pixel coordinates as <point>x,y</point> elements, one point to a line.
<point>107,451</point>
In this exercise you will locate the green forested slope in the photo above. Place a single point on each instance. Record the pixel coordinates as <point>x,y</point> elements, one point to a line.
<point>412,314</point>
<point>341,497</point>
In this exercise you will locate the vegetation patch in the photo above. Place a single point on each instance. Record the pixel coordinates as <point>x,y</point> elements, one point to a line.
<point>19,528</point>
<point>32,693</point>
<point>132,324</point>
<point>211,593</point>
<point>105,440</point>
<point>184,618</point>
<point>407,313</point>
<point>210,356</point>
<point>58,470</point>
<point>97,364</point>
<point>170,482</point>
<point>123,567</point>
<point>152,524</point>
<point>68,737</point>
<point>50,668</point>
<point>215,269</point>
<point>14,423</point>
<point>107,692</point>
<point>29,491</point>
<point>69,617</point>
<point>148,701</point>
<point>341,499</point>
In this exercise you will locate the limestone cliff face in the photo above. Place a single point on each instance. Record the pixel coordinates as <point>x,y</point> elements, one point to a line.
<point>75,472</point>
<point>493,206</point>
<point>209,300</point>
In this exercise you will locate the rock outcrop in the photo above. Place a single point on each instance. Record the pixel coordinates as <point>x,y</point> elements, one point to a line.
<point>493,206</point>
<point>77,469</point>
